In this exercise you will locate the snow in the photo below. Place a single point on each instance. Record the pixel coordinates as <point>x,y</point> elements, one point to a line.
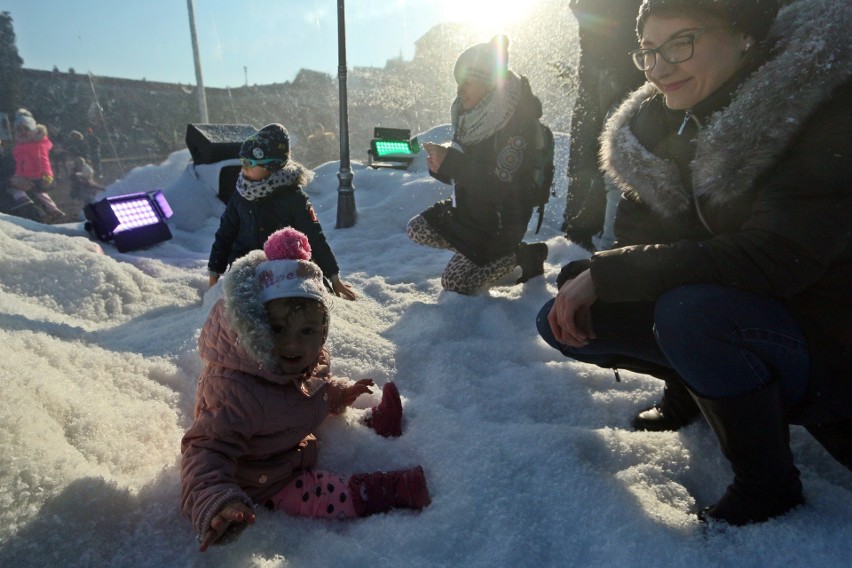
<point>529,456</point>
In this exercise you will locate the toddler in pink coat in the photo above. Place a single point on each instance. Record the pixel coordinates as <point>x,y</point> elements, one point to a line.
<point>266,386</point>
<point>33,172</point>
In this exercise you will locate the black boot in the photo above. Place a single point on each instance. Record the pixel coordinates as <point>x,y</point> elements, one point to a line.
<point>531,260</point>
<point>754,436</point>
<point>674,411</point>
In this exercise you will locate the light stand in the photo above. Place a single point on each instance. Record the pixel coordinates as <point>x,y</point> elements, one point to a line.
<point>345,191</point>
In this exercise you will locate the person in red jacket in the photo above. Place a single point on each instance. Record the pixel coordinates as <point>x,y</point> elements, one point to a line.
<point>33,172</point>
<point>266,386</point>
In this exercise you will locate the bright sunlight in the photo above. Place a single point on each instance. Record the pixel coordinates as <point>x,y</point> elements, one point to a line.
<point>486,16</point>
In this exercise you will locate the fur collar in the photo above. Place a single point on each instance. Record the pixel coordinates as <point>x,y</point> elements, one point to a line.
<point>292,174</point>
<point>245,311</point>
<point>811,55</point>
<point>37,135</point>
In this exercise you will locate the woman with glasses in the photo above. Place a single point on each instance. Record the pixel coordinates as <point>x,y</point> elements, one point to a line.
<point>269,197</point>
<point>732,273</point>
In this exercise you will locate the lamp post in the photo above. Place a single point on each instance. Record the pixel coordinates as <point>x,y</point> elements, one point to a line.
<point>345,192</point>
<point>199,80</point>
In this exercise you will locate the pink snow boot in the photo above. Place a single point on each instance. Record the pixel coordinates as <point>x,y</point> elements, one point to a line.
<point>381,491</point>
<point>386,418</point>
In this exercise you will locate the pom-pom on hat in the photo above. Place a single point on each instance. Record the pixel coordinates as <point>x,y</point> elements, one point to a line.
<point>25,119</point>
<point>485,62</point>
<point>272,142</point>
<point>753,17</point>
<point>288,271</point>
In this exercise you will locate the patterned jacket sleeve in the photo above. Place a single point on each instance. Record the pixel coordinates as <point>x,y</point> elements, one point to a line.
<point>210,450</point>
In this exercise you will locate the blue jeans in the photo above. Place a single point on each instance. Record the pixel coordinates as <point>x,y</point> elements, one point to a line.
<point>722,342</point>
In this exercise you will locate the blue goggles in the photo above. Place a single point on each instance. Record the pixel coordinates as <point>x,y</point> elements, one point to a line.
<point>250,163</point>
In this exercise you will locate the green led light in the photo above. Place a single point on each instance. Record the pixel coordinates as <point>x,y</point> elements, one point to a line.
<point>387,147</point>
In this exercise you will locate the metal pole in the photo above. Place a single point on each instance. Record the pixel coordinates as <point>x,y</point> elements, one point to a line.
<point>345,191</point>
<point>202,99</point>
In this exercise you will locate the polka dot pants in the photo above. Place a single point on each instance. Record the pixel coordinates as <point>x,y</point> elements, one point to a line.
<point>461,275</point>
<point>316,494</point>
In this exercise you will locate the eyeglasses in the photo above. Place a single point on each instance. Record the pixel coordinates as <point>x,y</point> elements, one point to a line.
<point>250,163</point>
<point>676,50</point>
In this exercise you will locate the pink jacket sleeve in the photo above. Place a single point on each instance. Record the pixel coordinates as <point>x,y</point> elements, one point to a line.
<point>337,395</point>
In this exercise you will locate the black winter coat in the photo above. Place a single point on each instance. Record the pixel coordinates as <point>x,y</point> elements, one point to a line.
<point>245,225</point>
<point>764,204</point>
<point>490,215</point>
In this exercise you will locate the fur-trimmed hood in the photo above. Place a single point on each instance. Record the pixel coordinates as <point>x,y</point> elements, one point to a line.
<point>38,134</point>
<point>810,55</point>
<point>245,311</point>
<point>238,335</point>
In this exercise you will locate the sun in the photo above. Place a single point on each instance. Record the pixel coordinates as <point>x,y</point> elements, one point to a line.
<point>487,16</point>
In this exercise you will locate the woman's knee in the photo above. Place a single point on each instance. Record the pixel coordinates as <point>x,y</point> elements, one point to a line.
<point>542,324</point>
<point>689,315</point>
<point>412,228</point>
<point>453,282</point>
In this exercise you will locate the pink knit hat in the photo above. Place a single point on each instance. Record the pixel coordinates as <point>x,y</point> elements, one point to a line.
<point>288,271</point>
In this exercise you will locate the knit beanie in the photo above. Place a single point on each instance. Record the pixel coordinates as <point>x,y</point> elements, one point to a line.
<point>25,118</point>
<point>485,62</point>
<point>288,271</point>
<point>272,142</point>
<point>752,17</point>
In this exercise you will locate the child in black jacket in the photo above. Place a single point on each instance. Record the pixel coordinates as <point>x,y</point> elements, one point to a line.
<point>269,197</point>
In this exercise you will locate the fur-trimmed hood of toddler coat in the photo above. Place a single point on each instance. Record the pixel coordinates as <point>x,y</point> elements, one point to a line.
<point>242,335</point>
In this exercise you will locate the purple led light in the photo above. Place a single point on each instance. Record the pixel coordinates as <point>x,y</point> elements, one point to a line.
<point>134,213</point>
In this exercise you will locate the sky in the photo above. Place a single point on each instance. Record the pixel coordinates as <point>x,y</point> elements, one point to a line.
<point>529,456</point>
<point>240,41</point>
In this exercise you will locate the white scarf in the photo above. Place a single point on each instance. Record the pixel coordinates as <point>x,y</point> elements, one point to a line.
<point>490,115</point>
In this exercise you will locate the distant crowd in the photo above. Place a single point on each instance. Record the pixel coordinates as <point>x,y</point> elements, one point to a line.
<point>29,170</point>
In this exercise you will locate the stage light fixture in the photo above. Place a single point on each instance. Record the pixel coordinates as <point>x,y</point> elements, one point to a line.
<point>392,148</point>
<point>131,221</point>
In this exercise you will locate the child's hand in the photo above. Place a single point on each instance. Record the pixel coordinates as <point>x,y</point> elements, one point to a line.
<point>356,390</point>
<point>236,512</point>
<point>342,289</point>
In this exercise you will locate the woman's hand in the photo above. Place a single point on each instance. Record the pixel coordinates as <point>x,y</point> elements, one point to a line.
<point>355,390</point>
<point>570,317</point>
<point>236,512</point>
<point>342,289</point>
<point>437,153</point>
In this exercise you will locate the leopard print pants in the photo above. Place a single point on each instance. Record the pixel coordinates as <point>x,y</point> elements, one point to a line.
<point>461,275</point>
